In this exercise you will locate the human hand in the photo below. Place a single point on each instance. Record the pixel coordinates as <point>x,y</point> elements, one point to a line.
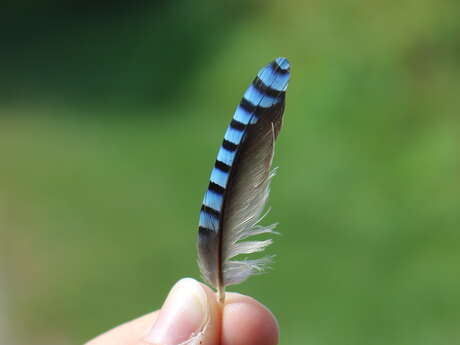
<point>191,315</point>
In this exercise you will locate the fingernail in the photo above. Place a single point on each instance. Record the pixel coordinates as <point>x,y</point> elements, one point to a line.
<point>183,315</point>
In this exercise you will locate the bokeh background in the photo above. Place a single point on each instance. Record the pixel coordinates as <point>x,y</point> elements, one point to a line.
<point>111,114</point>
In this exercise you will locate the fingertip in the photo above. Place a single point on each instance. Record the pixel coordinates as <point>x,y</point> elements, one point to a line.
<point>248,322</point>
<point>190,314</point>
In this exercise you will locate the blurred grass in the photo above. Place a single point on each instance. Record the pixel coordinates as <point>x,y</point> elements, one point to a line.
<point>99,204</point>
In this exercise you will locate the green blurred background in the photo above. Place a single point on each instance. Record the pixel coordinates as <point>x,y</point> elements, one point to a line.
<point>111,116</point>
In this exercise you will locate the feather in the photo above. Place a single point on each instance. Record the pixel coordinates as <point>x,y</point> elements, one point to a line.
<point>240,183</point>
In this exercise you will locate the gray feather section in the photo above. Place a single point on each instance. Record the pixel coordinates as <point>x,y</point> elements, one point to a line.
<point>244,206</point>
<point>208,256</point>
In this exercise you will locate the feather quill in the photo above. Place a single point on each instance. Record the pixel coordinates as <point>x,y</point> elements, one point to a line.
<point>240,183</point>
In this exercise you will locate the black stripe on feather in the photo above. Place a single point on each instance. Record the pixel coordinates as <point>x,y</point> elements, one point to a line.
<point>210,211</point>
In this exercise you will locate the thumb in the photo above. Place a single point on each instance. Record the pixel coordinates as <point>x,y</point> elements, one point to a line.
<point>190,315</point>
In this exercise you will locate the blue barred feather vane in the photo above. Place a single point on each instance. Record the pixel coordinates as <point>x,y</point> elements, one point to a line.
<point>240,182</point>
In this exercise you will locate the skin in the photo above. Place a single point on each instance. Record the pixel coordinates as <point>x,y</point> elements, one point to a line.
<point>240,321</point>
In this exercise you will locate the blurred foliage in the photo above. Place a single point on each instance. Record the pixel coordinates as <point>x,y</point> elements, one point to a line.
<point>111,117</point>
<point>120,53</point>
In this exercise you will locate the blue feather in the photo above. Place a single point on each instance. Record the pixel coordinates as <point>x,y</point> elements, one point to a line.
<point>240,182</point>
